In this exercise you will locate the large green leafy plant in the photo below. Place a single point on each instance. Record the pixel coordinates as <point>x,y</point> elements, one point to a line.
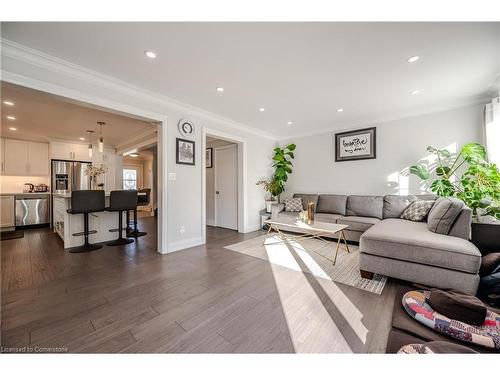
<point>478,185</point>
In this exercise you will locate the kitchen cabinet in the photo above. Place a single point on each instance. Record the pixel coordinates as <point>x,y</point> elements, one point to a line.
<point>7,217</point>
<point>108,159</point>
<point>2,161</point>
<point>15,157</point>
<point>38,159</point>
<point>23,158</point>
<point>69,151</point>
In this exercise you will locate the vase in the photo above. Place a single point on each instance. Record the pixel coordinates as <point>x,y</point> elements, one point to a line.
<point>269,204</point>
<point>310,213</point>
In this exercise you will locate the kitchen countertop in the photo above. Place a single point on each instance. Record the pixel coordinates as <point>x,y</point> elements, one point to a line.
<point>68,195</point>
<point>21,193</point>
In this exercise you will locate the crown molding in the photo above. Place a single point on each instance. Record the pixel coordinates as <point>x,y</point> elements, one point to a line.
<point>54,64</point>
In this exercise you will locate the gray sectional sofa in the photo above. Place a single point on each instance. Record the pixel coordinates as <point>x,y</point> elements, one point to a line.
<point>397,247</point>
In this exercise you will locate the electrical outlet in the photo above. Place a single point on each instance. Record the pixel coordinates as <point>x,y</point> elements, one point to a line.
<point>182,229</point>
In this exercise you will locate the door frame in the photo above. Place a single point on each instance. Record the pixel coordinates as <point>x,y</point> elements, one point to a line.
<point>242,177</point>
<point>215,183</point>
<point>124,109</point>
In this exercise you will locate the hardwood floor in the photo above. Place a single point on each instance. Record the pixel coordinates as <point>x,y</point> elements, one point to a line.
<point>202,300</point>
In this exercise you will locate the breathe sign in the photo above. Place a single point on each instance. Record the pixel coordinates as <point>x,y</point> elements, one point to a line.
<point>355,145</point>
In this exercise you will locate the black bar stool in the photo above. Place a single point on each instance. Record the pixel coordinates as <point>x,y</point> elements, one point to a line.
<point>119,201</point>
<point>85,202</point>
<point>143,198</point>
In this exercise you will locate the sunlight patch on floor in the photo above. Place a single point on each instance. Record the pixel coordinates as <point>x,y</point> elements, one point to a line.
<point>311,326</point>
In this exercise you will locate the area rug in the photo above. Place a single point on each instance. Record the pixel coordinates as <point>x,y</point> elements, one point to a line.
<point>345,270</point>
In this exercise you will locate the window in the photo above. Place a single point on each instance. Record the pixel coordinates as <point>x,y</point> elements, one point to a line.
<point>129,179</point>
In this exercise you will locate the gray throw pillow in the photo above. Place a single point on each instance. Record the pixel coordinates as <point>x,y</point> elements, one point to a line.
<point>443,214</point>
<point>293,205</point>
<point>417,211</point>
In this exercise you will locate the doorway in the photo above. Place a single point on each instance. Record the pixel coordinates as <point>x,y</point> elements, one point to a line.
<point>221,183</point>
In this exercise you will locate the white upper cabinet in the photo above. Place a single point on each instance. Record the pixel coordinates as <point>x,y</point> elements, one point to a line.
<point>23,158</point>
<point>2,148</point>
<point>38,159</point>
<point>16,157</point>
<point>70,151</point>
<point>60,150</point>
<point>81,152</point>
<point>107,158</point>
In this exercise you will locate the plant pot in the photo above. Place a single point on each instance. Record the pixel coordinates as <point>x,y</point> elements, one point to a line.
<point>269,205</point>
<point>486,237</point>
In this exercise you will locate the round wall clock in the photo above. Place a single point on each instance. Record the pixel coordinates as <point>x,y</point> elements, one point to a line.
<point>186,128</point>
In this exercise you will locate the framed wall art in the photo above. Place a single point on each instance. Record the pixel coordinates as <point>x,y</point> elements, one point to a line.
<point>356,145</point>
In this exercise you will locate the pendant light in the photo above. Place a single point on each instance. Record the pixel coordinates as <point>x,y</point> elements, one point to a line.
<point>90,132</point>
<point>101,137</point>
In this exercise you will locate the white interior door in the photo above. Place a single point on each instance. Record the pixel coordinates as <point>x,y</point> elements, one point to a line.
<point>226,186</point>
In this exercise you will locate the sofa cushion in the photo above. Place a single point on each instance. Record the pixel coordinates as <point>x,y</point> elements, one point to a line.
<point>365,205</point>
<point>293,205</point>
<point>443,214</point>
<point>413,242</point>
<point>332,204</point>
<point>327,218</point>
<point>357,223</point>
<point>394,205</point>
<point>417,210</point>
<point>306,198</point>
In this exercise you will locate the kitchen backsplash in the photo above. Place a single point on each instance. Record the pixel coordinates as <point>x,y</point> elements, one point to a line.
<point>15,184</point>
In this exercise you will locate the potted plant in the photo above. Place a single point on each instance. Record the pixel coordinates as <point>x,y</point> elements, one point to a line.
<point>283,165</point>
<point>273,188</point>
<point>470,177</point>
<point>282,168</point>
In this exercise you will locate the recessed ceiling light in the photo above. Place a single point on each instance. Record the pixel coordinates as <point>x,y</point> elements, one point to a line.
<point>8,102</point>
<point>11,118</point>
<point>413,59</point>
<point>150,54</point>
<point>289,123</point>
<point>134,155</point>
<point>81,139</point>
<point>262,109</point>
<point>220,89</point>
<point>415,92</point>
<point>340,110</point>
<point>13,129</point>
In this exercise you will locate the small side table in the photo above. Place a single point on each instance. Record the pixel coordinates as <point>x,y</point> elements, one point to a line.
<point>264,215</point>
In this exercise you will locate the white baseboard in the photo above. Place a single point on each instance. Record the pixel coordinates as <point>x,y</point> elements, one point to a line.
<point>184,244</point>
<point>211,222</point>
<point>251,228</point>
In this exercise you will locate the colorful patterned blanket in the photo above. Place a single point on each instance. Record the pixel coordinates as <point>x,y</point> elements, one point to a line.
<point>487,335</point>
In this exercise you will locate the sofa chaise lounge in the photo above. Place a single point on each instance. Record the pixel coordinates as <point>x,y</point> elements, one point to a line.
<point>397,247</point>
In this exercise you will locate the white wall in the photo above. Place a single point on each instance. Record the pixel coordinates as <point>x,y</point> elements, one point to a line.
<point>400,144</point>
<point>184,194</point>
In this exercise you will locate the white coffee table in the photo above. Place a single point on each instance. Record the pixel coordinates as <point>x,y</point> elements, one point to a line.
<point>317,229</point>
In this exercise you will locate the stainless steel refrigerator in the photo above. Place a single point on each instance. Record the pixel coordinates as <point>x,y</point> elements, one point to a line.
<point>68,176</point>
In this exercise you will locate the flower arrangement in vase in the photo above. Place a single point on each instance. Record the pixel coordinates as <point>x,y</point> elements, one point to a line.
<point>94,171</point>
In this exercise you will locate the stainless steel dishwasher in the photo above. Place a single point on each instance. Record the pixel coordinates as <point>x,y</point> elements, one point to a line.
<point>32,209</point>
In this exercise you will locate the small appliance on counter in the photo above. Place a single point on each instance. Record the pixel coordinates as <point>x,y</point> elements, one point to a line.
<point>42,188</point>
<point>28,188</point>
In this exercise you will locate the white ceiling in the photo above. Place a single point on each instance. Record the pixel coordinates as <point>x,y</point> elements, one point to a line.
<point>299,72</point>
<point>44,117</point>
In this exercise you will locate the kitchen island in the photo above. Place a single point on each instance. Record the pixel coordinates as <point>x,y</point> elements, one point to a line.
<point>65,225</point>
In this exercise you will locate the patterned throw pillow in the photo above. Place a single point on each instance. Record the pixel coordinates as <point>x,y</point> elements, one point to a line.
<point>293,205</point>
<point>417,211</point>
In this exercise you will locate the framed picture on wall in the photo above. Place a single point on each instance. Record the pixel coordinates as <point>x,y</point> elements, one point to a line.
<point>209,157</point>
<point>184,152</point>
<point>356,145</point>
